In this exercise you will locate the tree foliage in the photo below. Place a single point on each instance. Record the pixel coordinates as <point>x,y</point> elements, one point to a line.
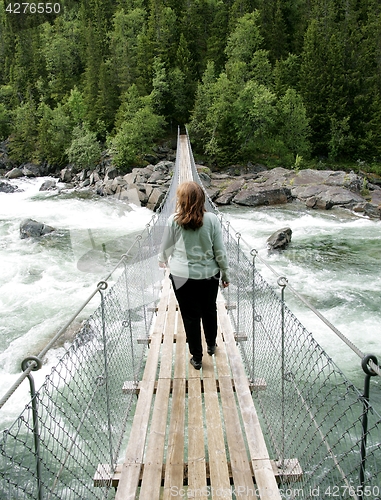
<point>84,151</point>
<point>253,78</point>
<point>137,127</point>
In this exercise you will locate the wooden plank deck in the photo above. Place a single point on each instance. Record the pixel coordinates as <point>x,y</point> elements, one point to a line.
<point>185,172</point>
<point>195,434</point>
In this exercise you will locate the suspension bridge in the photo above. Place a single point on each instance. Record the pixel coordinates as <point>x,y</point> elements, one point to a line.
<point>123,414</point>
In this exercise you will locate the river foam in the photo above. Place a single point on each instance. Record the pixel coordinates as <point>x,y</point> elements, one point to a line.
<point>333,261</point>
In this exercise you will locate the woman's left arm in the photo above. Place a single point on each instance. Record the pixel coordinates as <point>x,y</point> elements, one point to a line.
<point>220,254</point>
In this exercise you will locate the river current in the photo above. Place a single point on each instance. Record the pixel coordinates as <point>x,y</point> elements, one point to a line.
<point>333,261</point>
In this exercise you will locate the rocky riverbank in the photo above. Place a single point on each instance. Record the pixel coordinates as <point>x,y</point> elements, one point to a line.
<point>252,186</point>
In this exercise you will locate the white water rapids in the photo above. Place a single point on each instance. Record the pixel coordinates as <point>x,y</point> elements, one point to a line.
<point>333,261</point>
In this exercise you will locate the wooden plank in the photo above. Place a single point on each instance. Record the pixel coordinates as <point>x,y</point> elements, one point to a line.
<point>218,462</point>
<point>131,468</point>
<point>153,463</point>
<point>239,462</point>
<point>290,470</point>
<point>130,386</point>
<point>260,460</point>
<point>185,172</point>
<point>293,472</point>
<point>197,482</point>
<point>174,466</point>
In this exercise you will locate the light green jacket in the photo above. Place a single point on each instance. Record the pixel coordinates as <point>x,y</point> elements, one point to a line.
<point>195,254</point>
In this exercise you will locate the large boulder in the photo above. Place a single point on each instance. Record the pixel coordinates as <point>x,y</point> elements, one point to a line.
<point>161,172</point>
<point>31,170</point>
<point>15,173</point>
<point>48,185</point>
<point>30,228</point>
<point>255,195</point>
<point>325,196</point>
<point>280,239</point>
<point>66,174</point>
<point>5,187</point>
<point>129,194</point>
<point>111,173</point>
<point>155,197</point>
<point>228,194</point>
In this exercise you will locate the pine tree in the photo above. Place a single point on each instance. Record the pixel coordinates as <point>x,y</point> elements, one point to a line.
<point>183,83</point>
<point>60,50</point>
<point>242,46</point>
<point>198,126</point>
<point>107,101</point>
<point>24,69</point>
<point>160,92</point>
<point>217,33</point>
<point>314,86</point>
<point>91,74</point>
<point>128,28</point>
<point>238,9</point>
<point>5,122</point>
<point>54,134</point>
<point>255,116</point>
<point>293,125</point>
<point>4,45</point>
<point>163,31</point>
<point>23,139</point>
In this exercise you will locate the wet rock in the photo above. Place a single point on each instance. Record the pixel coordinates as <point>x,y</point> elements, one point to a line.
<point>129,194</point>
<point>15,173</point>
<point>155,198</point>
<point>30,228</point>
<point>5,187</point>
<point>66,174</point>
<point>31,170</point>
<point>48,185</point>
<point>111,173</point>
<point>228,194</point>
<point>280,239</point>
<point>255,195</point>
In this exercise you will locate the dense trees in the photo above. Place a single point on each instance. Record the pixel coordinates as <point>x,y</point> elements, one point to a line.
<point>276,80</point>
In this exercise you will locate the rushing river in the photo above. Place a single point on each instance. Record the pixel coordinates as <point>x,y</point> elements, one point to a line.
<point>333,261</point>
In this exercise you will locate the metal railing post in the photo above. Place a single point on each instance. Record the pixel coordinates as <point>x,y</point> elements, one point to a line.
<point>238,236</point>
<point>365,398</point>
<point>254,315</point>
<point>128,323</point>
<point>103,286</point>
<point>282,282</point>
<point>36,432</point>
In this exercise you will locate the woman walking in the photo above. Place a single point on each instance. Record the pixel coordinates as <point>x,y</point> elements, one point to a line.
<point>193,249</point>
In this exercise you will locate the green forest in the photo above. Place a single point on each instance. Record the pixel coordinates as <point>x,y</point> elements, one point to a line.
<point>282,82</point>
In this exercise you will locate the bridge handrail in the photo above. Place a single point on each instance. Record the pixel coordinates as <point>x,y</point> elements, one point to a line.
<point>32,363</point>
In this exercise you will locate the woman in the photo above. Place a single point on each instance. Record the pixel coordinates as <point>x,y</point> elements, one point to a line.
<point>193,249</point>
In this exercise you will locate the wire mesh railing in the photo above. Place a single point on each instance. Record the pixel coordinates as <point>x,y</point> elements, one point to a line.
<point>312,416</point>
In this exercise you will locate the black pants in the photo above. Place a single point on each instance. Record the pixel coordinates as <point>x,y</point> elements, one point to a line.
<point>197,302</point>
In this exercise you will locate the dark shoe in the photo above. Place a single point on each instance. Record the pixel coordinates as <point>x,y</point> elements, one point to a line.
<point>212,349</point>
<point>196,364</point>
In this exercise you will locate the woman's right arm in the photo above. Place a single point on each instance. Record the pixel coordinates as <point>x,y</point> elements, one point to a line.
<point>220,254</point>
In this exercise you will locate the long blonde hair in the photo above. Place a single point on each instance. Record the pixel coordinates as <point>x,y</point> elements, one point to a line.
<point>190,207</point>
